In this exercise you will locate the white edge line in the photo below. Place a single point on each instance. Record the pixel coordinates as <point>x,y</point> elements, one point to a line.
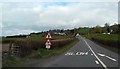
<point>96,55</point>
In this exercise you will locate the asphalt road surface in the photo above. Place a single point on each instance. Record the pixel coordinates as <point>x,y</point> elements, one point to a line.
<point>84,54</point>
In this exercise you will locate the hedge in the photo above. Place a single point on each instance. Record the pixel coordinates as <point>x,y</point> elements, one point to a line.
<point>27,46</point>
<point>107,42</point>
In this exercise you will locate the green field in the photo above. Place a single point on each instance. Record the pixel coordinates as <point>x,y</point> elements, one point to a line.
<point>113,37</point>
<point>42,37</point>
<point>39,37</point>
<point>8,39</point>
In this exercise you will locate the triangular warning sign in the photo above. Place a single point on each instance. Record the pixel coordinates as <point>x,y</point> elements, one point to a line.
<point>48,43</point>
<point>49,36</point>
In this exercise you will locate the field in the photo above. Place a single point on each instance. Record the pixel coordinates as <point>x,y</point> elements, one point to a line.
<point>113,37</point>
<point>40,37</point>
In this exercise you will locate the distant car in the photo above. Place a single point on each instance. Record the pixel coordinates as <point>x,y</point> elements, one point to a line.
<point>77,35</point>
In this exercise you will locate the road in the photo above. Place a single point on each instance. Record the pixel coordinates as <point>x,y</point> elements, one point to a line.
<point>84,54</point>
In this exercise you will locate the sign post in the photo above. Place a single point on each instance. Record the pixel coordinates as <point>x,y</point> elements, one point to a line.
<point>48,43</point>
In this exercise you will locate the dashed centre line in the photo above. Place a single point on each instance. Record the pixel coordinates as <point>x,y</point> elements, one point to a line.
<point>107,57</point>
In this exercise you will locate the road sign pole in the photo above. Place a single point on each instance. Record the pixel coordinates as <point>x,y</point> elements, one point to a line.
<point>48,49</point>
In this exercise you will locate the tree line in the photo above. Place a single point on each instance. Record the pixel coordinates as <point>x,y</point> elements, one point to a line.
<point>114,29</point>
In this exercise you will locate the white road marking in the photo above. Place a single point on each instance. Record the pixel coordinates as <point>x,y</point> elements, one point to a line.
<point>111,58</point>
<point>101,54</point>
<point>96,62</point>
<point>107,57</point>
<point>91,54</point>
<point>96,55</point>
<point>77,53</point>
<point>69,53</point>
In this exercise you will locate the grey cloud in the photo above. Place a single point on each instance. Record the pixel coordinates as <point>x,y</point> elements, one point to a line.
<point>40,18</point>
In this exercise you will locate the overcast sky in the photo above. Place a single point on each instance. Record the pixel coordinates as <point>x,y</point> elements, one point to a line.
<point>24,18</point>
